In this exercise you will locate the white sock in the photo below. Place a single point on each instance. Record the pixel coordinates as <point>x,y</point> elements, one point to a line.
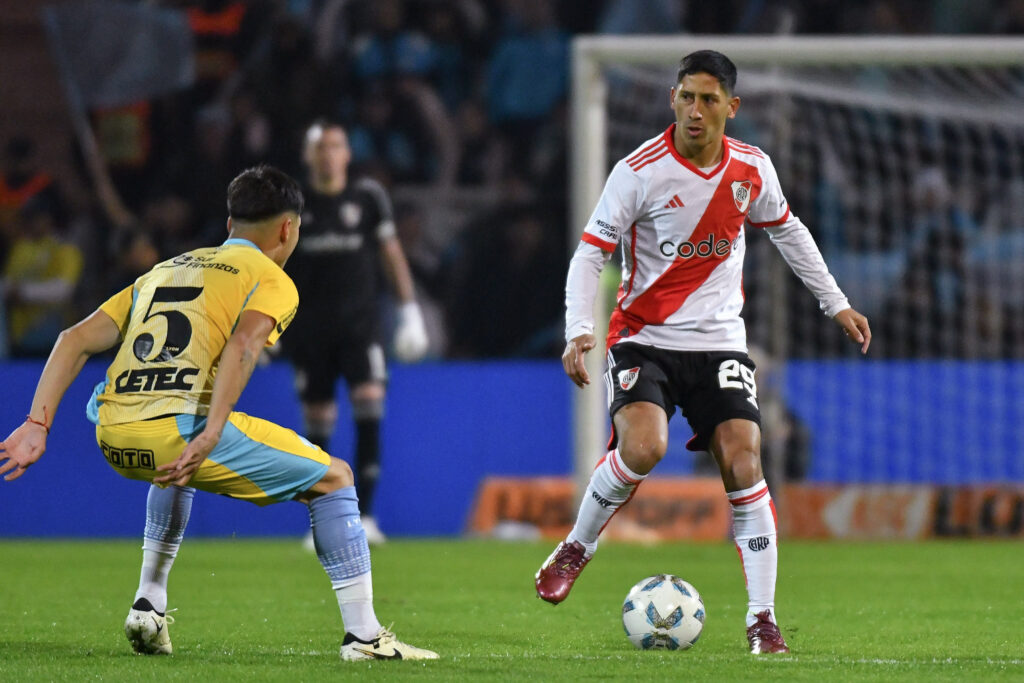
<point>611,486</point>
<point>355,598</point>
<point>755,529</point>
<point>157,559</point>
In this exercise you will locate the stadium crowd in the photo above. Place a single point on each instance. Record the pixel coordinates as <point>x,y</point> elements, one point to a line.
<point>460,109</point>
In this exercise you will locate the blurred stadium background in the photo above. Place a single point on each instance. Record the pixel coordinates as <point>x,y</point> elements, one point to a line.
<point>118,146</point>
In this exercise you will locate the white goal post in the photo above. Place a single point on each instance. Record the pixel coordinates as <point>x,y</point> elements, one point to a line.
<point>589,156</point>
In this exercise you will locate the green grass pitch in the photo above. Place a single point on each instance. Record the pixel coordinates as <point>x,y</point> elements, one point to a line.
<point>259,610</point>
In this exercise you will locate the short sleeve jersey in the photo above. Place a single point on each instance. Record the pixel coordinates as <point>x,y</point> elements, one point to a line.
<point>682,234</point>
<point>175,321</point>
<point>336,265</point>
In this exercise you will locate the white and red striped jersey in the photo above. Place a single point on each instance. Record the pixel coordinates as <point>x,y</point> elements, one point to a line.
<point>682,231</point>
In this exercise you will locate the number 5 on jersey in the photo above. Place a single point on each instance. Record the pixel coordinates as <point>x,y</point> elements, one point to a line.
<point>734,375</point>
<point>179,329</point>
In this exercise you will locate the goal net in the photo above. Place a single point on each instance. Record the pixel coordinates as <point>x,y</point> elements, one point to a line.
<point>905,158</point>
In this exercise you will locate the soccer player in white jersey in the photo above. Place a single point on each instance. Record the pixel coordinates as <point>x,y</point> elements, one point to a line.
<point>679,206</point>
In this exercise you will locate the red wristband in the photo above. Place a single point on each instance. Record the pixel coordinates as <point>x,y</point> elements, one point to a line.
<point>28,418</point>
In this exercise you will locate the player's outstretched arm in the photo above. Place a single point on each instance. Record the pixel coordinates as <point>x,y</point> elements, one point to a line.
<point>856,327</point>
<point>572,358</point>
<point>27,443</point>
<point>237,361</point>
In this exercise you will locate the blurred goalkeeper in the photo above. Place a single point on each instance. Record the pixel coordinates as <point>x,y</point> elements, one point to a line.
<point>348,235</point>
<point>679,205</point>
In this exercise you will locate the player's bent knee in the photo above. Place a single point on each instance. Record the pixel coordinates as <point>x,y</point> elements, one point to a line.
<point>745,469</point>
<point>641,452</point>
<point>642,430</point>
<point>736,445</point>
<point>368,392</point>
<point>338,476</point>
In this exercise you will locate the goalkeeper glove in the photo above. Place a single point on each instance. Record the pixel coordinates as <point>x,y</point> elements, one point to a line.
<point>411,334</point>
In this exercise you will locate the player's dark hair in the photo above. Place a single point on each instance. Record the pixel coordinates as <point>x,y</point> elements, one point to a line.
<point>262,192</point>
<point>709,62</point>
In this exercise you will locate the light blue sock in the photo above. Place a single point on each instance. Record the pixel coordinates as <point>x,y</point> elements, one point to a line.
<point>341,546</point>
<point>338,535</point>
<point>167,513</point>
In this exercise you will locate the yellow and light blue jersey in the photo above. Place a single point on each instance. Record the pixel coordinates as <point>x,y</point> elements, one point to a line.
<point>175,321</point>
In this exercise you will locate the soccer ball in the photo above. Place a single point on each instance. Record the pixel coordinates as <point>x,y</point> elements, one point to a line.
<point>663,612</point>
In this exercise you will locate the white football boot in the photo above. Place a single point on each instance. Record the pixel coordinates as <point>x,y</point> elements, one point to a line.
<point>147,629</point>
<point>384,646</point>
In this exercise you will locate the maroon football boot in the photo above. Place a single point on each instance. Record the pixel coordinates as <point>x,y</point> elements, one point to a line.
<point>764,636</point>
<point>555,577</point>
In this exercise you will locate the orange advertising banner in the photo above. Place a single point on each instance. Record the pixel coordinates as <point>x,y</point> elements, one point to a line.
<point>989,511</point>
<point>877,512</point>
<point>665,508</point>
<point>901,512</point>
<point>677,508</point>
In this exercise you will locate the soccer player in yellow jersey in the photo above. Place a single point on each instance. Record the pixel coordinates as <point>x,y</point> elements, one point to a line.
<point>191,330</point>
